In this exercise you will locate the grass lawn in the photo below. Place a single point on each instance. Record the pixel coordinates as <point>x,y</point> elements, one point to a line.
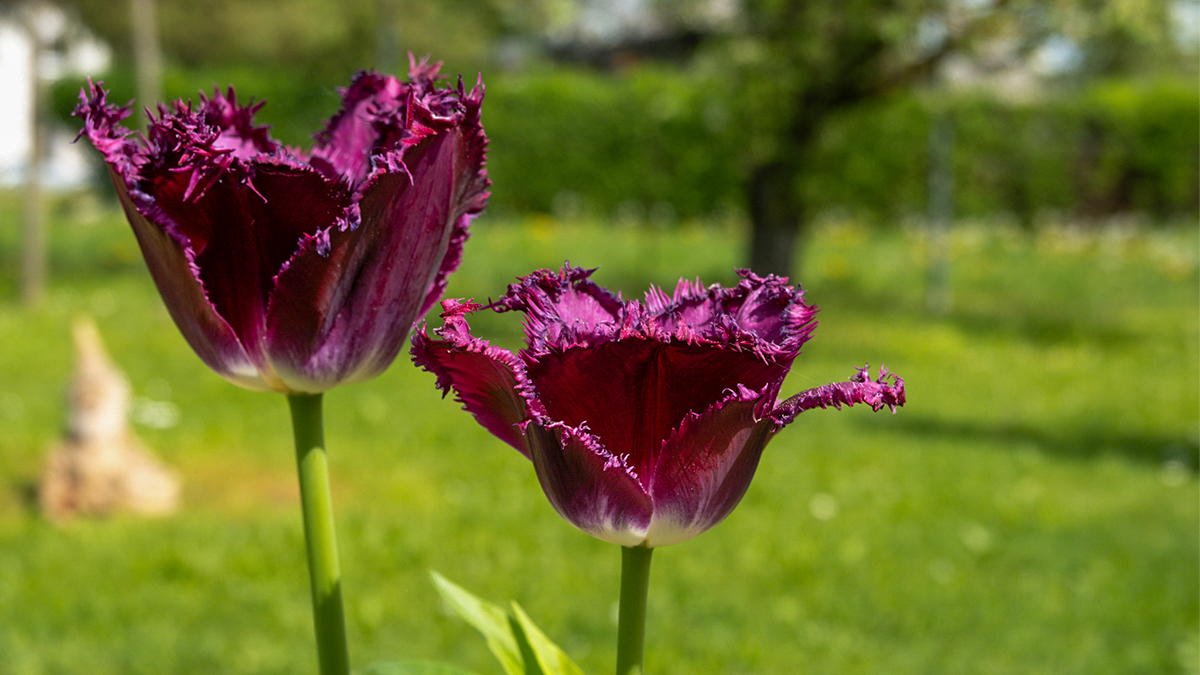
<point>1033,509</point>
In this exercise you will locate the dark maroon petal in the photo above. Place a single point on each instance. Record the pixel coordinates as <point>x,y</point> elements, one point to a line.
<point>169,260</point>
<point>592,488</point>
<point>423,70</point>
<point>201,145</point>
<point>860,389</point>
<point>170,253</point>
<point>484,378</point>
<point>243,238</point>
<point>238,133</point>
<point>632,394</point>
<point>563,309</point>
<point>241,224</point>
<point>319,265</point>
<point>771,309</point>
<point>705,468</point>
<point>344,317</point>
<point>369,107</point>
<point>470,182</point>
<point>762,314</point>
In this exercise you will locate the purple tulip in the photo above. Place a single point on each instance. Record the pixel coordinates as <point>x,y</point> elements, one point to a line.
<point>297,271</point>
<point>644,421</point>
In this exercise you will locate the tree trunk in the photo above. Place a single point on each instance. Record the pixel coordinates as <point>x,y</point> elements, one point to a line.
<point>147,52</point>
<point>34,247</point>
<point>776,219</point>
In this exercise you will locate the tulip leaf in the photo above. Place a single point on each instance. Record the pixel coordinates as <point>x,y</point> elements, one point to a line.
<point>521,647</point>
<point>488,619</point>
<point>413,668</point>
<point>552,659</point>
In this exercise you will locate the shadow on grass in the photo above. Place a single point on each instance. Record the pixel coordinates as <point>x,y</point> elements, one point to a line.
<point>1085,444</point>
<point>1041,324</point>
<point>26,490</point>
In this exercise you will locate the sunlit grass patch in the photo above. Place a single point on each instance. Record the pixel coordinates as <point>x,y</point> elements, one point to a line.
<point>1034,507</point>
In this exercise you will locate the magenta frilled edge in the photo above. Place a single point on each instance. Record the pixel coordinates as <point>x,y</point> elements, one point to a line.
<point>645,421</point>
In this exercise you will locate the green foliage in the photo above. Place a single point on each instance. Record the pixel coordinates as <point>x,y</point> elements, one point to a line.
<point>321,39</point>
<point>1033,508</point>
<point>620,145</point>
<point>659,147</point>
<point>491,621</point>
<point>520,646</point>
<point>651,145</point>
<point>1115,147</point>
<point>1145,147</point>
<point>873,160</point>
<point>412,668</point>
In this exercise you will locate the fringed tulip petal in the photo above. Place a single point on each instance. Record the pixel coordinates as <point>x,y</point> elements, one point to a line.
<point>302,271</point>
<point>562,309</point>
<point>344,147</point>
<point>639,390</point>
<point>860,389</point>
<point>247,237</point>
<point>406,230</point>
<point>645,421</point>
<point>483,377</point>
<point>591,488</point>
<point>705,467</point>
<point>170,262</point>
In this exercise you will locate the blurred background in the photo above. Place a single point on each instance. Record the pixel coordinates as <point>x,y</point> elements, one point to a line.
<point>997,198</point>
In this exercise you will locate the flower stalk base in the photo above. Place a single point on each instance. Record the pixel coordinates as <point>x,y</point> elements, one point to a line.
<point>631,616</point>
<point>329,619</point>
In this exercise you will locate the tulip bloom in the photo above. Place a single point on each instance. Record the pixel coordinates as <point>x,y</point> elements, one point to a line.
<point>297,271</point>
<point>644,421</point>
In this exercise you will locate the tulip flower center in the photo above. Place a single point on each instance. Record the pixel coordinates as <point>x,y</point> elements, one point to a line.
<point>633,393</point>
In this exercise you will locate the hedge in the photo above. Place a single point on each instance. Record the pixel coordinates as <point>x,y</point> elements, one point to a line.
<point>661,144</point>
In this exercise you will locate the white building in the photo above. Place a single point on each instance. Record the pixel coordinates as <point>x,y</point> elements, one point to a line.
<point>71,50</point>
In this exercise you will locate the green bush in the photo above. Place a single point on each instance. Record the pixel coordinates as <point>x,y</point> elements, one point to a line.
<point>602,143</point>
<point>872,160</point>
<point>1147,156</point>
<point>659,145</point>
<point>1111,148</point>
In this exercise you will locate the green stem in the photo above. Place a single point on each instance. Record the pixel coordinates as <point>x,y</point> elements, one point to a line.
<point>329,619</point>
<point>631,616</point>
